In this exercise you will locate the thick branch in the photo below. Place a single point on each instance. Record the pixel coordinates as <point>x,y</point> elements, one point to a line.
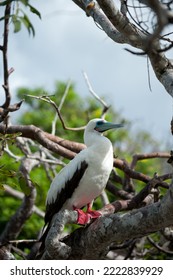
<point>121,23</point>
<point>104,23</point>
<point>69,247</point>
<point>45,139</point>
<point>92,242</point>
<point>55,249</point>
<point>118,27</point>
<point>68,149</point>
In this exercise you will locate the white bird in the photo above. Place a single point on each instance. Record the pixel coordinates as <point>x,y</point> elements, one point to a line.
<point>83,178</point>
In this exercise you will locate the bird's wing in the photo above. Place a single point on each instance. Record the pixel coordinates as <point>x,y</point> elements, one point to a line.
<point>60,190</point>
<point>63,186</point>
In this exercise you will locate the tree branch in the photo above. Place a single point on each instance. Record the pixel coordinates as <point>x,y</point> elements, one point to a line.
<point>118,27</point>
<point>93,241</point>
<point>94,94</point>
<point>6,107</point>
<point>20,195</point>
<point>5,56</point>
<point>55,249</point>
<point>48,100</point>
<point>17,221</point>
<point>68,149</point>
<point>45,139</point>
<point>138,157</point>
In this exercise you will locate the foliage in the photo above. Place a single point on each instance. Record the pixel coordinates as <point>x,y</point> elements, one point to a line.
<point>19,16</point>
<point>76,112</point>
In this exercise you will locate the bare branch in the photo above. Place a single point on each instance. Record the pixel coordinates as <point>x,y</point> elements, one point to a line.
<point>11,154</point>
<point>20,195</point>
<point>95,95</point>
<point>60,106</point>
<point>121,164</point>
<point>92,243</point>
<point>122,24</point>
<point>54,248</point>
<point>133,201</point>
<point>102,20</point>
<point>5,56</point>
<point>11,108</point>
<point>5,254</point>
<point>45,139</point>
<point>119,28</point>
<point>157,246</point>
<point>49,101</point>
<point>17,221</point>
<point>138,157</point>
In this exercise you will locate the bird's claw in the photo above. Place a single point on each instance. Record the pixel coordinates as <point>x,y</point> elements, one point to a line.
<point>85,217</point>
<point>93,214</point>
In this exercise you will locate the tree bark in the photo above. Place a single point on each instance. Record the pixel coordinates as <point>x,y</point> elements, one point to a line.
<point>121,30</point>
<point>93,241</point>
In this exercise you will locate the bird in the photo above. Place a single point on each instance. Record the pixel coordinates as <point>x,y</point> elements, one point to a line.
<point>84,178</point>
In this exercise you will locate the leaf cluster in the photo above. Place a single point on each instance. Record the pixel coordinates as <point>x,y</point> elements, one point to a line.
<point>19,15</point>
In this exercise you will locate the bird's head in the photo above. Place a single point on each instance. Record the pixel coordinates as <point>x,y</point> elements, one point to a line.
<point>98,126</point>
<point>101,125</point>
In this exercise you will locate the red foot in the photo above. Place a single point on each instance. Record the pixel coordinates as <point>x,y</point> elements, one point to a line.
<point>93,214</point>
<point>83,218</point>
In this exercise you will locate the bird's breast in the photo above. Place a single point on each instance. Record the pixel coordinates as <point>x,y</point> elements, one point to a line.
<point>93,181</point>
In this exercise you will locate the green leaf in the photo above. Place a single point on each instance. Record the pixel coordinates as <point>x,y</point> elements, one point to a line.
<point>16,23</point>
<point>27,23</point>
<point>24,2</point>
<point>17,26</point>
<point>8,173</point>
<point>11,138</point>
<point>34,11</point>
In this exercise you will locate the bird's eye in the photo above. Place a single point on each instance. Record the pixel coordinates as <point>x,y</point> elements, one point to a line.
<point>99,123</point>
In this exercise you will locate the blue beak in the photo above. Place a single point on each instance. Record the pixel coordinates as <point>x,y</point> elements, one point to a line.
<point>102,126</point>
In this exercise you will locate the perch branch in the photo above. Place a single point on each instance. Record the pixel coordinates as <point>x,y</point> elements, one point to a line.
<point>55,249</point>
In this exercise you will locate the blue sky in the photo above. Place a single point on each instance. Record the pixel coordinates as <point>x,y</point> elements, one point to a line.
<point>66,43</point>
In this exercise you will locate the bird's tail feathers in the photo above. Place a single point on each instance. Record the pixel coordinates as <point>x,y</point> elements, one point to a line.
<point>42,241</point>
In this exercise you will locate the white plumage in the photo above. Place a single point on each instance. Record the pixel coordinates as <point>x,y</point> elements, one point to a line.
<point>85,177</point>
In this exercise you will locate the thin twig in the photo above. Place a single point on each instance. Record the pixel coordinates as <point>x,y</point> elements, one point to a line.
<point>153,155</point>
<point>51,102</point>
<point>60,106</point>
<point>11,154</point>
<point>22,241</point>
<point>158,247</point>
<point>95,95</point>
<point>5,56</point>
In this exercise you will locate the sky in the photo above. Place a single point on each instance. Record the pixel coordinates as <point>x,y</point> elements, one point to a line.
<point>68,42</point>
